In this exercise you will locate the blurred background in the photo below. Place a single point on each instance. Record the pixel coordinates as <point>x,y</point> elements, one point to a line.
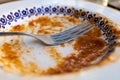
<point>110,3</point>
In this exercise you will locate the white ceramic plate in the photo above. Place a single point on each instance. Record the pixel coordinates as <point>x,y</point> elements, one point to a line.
<point>107,72</point>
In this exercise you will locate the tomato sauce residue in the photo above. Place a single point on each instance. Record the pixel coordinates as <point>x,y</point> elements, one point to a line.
<point>55,54</point>
<point>18,28</point>
<point>11,59</point>
<point>87,48</point>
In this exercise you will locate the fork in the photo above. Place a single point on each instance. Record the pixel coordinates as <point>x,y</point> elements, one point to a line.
<point>58,38</point>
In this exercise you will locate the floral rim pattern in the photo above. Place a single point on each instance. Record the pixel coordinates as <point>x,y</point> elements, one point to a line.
<point>81,13</point>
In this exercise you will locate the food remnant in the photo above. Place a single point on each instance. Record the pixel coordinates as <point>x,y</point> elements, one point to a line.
<point>87,49</point>
<point>18,28</point>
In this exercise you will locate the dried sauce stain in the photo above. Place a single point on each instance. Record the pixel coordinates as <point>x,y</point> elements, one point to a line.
<point>73,20</point>
<point>10,56</point>
<point>87,50</point>
<point>31,24</point>
<point>11,59</point>
<point>55,54</point>
<point>44,21</point>
<point>47,21</point>
<point>87,43</point>
<point>18,28</point>
<point>10,50</point>
<point>96,32</point>
<point>51,25</point>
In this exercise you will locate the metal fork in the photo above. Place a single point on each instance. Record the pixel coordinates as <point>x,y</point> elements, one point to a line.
<point>59,38</point>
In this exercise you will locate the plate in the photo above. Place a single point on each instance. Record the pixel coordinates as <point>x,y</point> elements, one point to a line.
<point>21,12</point>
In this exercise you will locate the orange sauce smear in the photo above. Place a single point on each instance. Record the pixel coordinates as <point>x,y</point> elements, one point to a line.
<point>11,59</point>
<point>55,54</point>
<point>88,48</point>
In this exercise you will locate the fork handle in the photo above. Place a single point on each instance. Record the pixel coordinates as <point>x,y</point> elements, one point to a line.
<point>11,33</point>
